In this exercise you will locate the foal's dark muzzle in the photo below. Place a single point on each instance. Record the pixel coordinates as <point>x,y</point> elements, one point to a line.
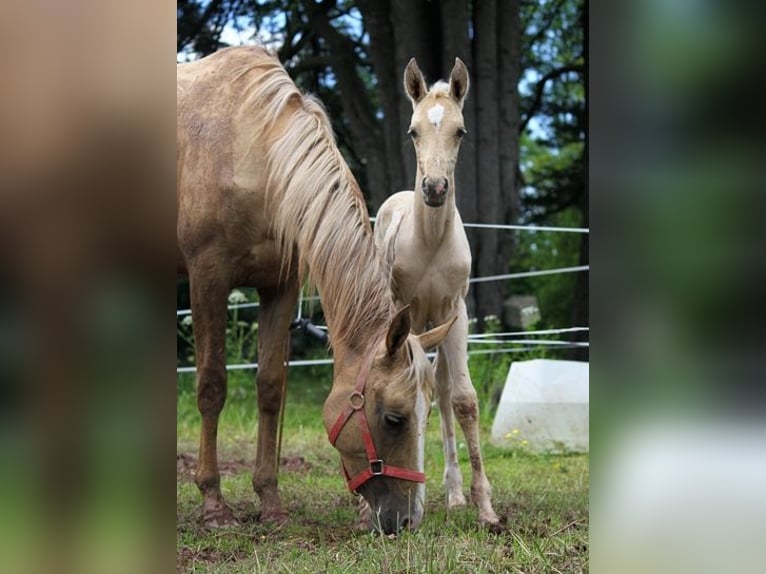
<point>434,190</point>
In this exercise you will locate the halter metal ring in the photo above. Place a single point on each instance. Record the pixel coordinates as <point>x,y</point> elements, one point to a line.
<point>376,467</point>
<point>357,400</point>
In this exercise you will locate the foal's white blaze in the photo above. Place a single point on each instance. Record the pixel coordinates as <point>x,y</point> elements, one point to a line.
<point>435,115</point>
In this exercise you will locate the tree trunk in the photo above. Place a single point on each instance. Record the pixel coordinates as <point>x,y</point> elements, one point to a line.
<point>581,311</point>
<point>509,68</point>
<point>488,296</point>
<point>362,123</point>
<point>377,18</point>
<point>417,34</point>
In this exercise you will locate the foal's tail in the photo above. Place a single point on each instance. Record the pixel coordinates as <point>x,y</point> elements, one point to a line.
<point>388,247</point>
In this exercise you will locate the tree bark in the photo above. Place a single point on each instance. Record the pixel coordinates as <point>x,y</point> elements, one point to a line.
<point>417,35</point>
<point>362,123</point>
<point>488,296</point>
<point>581,310</point>
<point>377,18</point>
<point>509,68</point>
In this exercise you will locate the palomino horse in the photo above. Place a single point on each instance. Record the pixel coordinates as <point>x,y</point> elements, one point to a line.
<point>423,235</point>
<point>263,196</point>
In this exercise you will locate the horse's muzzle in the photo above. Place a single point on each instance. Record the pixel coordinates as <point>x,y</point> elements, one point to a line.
<point>434,190</point>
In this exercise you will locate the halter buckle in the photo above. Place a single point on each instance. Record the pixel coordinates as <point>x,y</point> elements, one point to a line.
<point>376,467</point>
<point>356,399</point>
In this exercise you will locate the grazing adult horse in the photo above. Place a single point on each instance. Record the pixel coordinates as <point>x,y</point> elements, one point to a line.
<point>264,197</point>
<point>423,235</point>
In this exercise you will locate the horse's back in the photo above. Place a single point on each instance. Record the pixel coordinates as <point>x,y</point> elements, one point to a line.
<point>221,68</point>
<point>389,216</point>
<point>221,167</point>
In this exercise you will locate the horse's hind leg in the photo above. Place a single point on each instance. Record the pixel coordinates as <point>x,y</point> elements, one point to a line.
<point>209,289</point>
<point>274,316</point>
<point>466,408</point>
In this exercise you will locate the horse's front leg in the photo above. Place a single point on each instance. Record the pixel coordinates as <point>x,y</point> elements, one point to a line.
<point>209,288</point>
<point>274,316</point>
<point>466,408</point>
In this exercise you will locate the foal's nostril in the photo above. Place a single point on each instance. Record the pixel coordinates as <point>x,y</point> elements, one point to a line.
<point>404,524</point>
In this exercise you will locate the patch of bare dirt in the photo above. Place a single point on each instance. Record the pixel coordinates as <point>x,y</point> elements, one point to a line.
<point>294,464</point>
<point>236,466</point>
<point>186,466</point>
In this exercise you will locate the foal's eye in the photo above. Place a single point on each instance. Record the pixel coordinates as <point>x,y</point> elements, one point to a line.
<point>412,132</point>
<point>394,421</point>
<point>460,132</point>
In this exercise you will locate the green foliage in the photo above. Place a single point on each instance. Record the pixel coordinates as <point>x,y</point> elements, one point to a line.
<point>546,250</point>
<point>241,331</point>
<point>553,101</point>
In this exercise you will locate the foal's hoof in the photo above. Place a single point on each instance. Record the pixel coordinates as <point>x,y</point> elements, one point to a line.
<point>220,517</point>
<point>492,523</point>
<point>456,500</point>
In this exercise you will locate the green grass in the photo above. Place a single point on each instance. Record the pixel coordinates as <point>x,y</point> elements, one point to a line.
<point>543,497</point>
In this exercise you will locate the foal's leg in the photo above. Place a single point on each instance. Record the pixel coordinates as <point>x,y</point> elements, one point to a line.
<point>453,479</point>
<point>275,314</point>
<point>209,288</point>
<point>466,408</point>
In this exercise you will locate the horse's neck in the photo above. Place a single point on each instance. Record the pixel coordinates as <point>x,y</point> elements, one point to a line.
<point>433,223</point>
<point>356,297</point>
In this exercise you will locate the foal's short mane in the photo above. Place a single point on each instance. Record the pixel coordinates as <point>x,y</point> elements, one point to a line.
<point>440,88</point>
<point>318,205</point>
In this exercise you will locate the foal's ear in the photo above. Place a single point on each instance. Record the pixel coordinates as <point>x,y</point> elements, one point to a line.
<point>398,331</point>
<point>414,83</point>
<point>459,82</point>
<point>435,336</point>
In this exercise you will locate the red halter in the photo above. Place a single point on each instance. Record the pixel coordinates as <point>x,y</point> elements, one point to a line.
<point>376,466</point>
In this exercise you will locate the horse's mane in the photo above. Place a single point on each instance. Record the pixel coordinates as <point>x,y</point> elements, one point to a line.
<point>318,206</point>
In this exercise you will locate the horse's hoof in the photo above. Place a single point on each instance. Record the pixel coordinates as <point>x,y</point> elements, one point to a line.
<point>221,517</point>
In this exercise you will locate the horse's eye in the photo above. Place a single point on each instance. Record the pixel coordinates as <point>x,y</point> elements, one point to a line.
<point>394,421</point>
<point>412,132</point>
<point>460,132</point>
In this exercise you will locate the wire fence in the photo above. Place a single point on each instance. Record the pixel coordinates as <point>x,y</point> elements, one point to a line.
<point>491,339</point>
<point>309,362</point>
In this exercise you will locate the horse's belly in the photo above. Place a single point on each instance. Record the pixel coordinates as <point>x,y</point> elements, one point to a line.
<point>260,266</point>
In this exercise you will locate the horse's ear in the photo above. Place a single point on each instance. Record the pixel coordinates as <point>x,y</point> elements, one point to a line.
<point>398,331</point>
<point>459,82</point>
<point>435,336</point>
<point>414,83</point>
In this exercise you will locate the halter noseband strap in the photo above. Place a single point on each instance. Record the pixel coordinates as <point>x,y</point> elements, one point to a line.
<point>376,466</point>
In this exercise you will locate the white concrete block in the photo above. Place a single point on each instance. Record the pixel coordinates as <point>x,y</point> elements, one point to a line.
<point>544,407</point>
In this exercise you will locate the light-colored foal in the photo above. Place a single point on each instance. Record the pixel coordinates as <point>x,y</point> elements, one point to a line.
<point>422,234</point>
